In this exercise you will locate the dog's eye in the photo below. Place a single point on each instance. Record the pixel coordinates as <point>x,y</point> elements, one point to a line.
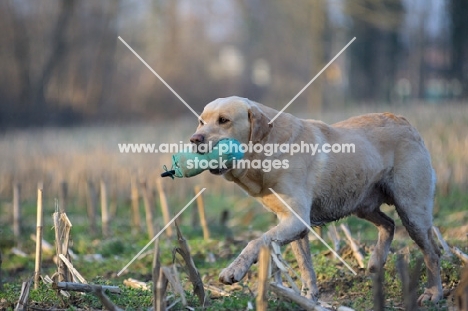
<point>223,120</point>
<point>200,122</point>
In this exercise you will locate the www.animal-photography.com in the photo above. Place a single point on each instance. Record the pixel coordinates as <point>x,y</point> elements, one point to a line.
<point>234,155</point>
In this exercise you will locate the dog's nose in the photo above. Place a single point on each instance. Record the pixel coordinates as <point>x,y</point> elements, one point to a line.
<point>197,139</point>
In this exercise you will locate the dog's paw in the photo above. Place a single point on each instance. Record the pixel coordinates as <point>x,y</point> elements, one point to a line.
<point>310,292</point>
<point>432,295</point>
<point>376,262</point>
<point>235,272</point>
<point>314,296</point>
<point>239,267</point>
<point>231,275</point>
<point>374,268</point>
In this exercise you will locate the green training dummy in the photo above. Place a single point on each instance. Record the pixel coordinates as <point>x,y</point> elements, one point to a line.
<point>188,164</point>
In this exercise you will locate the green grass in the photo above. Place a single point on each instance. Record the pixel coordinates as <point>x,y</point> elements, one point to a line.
<point>338,286</point>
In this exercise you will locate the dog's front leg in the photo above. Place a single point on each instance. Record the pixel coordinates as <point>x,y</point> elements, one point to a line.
<point>301,249</point>
<point>289,229</point>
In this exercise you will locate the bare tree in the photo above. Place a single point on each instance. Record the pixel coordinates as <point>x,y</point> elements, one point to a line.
<point>56,56</point>
<point>459,37</point>
<point>375,54</point>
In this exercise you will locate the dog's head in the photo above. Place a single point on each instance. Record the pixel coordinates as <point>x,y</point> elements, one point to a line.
<point>232,117</point>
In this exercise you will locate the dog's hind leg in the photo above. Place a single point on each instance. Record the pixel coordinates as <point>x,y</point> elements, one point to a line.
<point>301,249</point>
<point>414,186</point>
<point>386,227</point>
<point>419,226</point>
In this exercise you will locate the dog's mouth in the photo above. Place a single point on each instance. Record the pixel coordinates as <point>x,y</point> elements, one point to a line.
<point>200,148</point>
<point>218,171</point>
<point>206,147</point>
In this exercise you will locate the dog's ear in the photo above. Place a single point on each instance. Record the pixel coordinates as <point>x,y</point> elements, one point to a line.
<point>259,127</point>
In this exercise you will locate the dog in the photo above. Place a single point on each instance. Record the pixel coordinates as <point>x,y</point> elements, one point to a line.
<point>390,164</point>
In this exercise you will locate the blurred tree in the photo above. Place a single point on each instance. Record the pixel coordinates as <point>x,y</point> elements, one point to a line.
<point>56,57</point>
<point>374,55</point>
<point>99,83</point>
<point>416,49</point>
<point>458,10</point>
<point>252,28</point>
<point>32,73</point>
<point>22,57</point>
<point>317,29</point>
<point>291,38</point>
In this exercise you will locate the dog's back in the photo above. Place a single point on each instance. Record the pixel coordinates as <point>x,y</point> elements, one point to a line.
<point>384,119</point>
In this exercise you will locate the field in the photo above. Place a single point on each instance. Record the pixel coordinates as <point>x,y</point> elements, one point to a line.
<point>88,155</point>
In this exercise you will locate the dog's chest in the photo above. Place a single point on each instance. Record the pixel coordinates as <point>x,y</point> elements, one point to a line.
<point>248,182</point>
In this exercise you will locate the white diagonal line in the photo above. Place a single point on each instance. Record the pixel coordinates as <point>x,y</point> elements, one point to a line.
<point>162,80</point>
<point>310,82</point>
<point>313,232</point>
<point>159,233</point>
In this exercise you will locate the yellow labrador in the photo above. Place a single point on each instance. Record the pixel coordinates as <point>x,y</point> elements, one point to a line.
<point>390,164</point>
